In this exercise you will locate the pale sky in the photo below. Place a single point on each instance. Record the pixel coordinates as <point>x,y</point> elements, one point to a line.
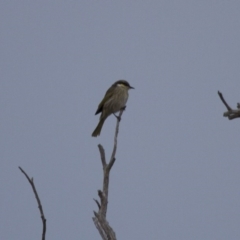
<point>176,175</point>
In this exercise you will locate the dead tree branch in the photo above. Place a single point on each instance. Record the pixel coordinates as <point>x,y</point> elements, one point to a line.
<point>99,218</point>
<point>30,180</point>
<point>231,113</point>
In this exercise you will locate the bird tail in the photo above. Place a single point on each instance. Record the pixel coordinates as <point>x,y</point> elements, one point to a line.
<point>98,129</point>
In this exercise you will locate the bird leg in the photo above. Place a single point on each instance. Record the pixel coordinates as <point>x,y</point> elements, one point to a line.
<point>119,118</point>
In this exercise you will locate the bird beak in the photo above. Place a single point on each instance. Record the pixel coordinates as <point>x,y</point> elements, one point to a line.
<point>131,87</point>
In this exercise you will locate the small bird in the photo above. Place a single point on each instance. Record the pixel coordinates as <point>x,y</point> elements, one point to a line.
<point>113,101</point>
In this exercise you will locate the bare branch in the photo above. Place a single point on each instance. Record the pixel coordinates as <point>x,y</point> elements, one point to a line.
<point>38,201</point>
<point>111,163</point>
<point>102,154</point>
<point>98,226</point>
<point>97,202</point>
<point>224,102</point>
<point>231,113</point>
<point>112,159</point>
<point>106,231</point>
<point>99,220</point>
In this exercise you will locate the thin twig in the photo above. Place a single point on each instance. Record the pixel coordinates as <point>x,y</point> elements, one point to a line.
<point>112,159</point>
<point>231,113</point>
<point>38,201</point>
<point>97,202</point>
<point>224,102</point>
<point>102,154</point>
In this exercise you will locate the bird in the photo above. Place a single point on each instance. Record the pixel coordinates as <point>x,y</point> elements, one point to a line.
<point>114,100</point>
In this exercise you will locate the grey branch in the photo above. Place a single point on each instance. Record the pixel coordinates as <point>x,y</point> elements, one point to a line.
<point>231,113</point>
<point>99,218</point>
<point>102,154</point>
<point>38,201</point>
<point>97,202</point>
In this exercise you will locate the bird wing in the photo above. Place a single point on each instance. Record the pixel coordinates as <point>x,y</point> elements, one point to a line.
<point>107,96</point>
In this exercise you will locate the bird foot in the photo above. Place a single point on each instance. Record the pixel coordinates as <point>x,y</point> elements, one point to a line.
<point>122,109</point>
<point>117,117</point>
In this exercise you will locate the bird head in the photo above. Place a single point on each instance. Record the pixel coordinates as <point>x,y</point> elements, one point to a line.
<point>123,83</point>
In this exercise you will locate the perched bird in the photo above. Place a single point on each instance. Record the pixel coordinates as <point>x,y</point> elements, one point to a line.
<point>113,101</point>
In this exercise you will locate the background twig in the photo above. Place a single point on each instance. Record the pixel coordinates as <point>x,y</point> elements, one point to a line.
<point>231,113</point>
<point>38,201</point>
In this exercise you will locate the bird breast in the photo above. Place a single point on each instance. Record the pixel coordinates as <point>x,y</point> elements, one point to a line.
<point>117,101</point>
